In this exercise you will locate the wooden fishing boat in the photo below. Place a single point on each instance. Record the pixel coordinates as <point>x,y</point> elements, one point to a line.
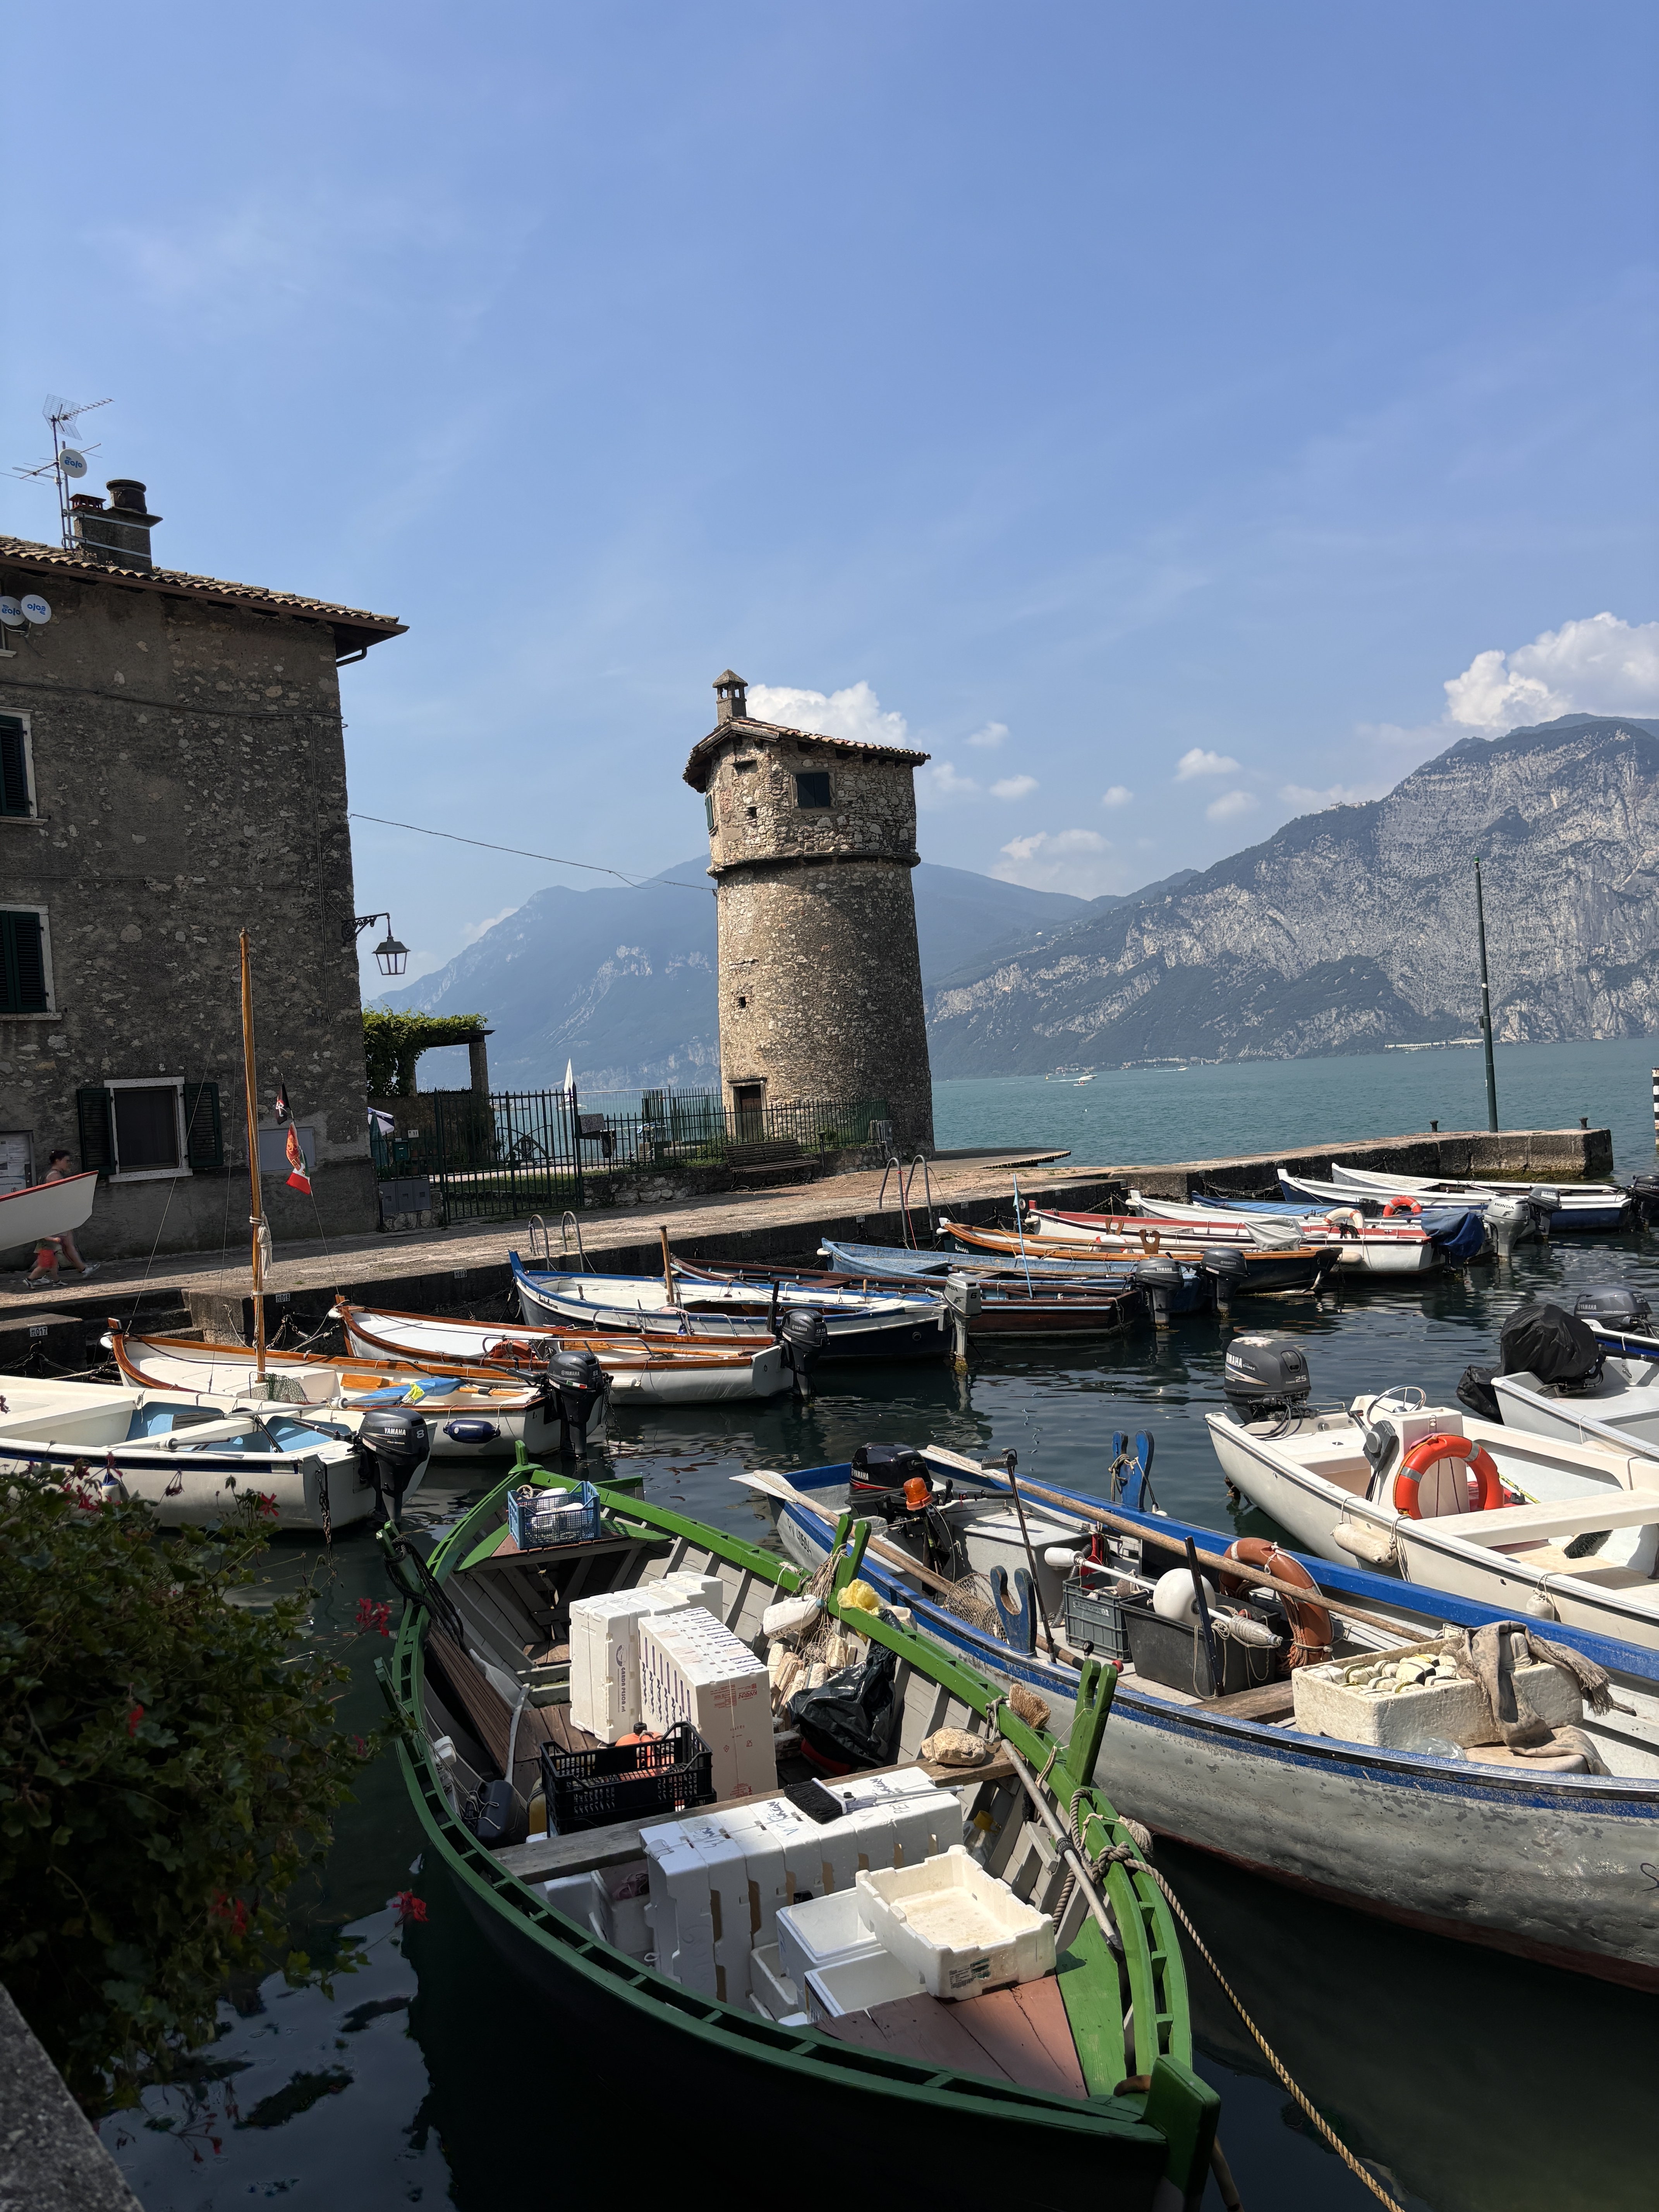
<point>1083,2077</point>
<point>1419,1246</point>
<point>188,1454</point>
<point>1485,1846</point>
<point>862,1325</point>
<point>1298,1267</point>
<point>1006,1306</point>
<point>648,1371</point>
<point>471,1412</point>
<point>1576,1205</point>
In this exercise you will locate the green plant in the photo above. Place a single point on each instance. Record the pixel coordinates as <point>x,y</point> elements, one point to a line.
<point>168,1764</point>
<point>394,1042</point>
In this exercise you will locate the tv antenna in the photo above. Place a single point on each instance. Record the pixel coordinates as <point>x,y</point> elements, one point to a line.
<point>69,456</point>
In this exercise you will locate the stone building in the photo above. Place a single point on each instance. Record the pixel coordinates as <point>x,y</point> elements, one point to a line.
<point>172,770</point>
<point>811,842</point>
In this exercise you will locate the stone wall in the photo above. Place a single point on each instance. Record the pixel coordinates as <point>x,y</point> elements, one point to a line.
<point>189,780</point>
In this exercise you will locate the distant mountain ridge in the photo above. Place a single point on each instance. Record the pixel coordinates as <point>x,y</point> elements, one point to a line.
<point>1354,928</point>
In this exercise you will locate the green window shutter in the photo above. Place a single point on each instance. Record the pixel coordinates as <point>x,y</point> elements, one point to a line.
<point>14,766</point>
<point>92,1108</point>
<point>204,1143</point>
<point>22,965</point>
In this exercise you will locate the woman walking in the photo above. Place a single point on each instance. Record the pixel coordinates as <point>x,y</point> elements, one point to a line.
<point>48,1249</point>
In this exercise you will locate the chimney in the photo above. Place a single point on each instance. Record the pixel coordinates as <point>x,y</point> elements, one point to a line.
<point>120,532</point>
<point>731,698</point>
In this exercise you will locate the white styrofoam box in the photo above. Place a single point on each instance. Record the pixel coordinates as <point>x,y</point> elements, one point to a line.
<point>604,1653</point>
<point>856,1984</point>
<point>708,1591</point>
<point>572,1894</point>
<point>1455,1712</point>
<point>782,1859</point>
<point>770,1990</point>
<point>618,1914</point>
<point>693,1668</point>
<point>820,1930</point>
<point>700,1905</point>
<point>957,1928</point>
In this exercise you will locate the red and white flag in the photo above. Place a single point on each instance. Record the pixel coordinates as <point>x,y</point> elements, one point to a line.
<point>298,1166</point>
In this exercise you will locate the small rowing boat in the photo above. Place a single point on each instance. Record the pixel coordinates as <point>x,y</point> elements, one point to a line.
<point>1294,1268</point>
<point>1004,1304</point>
<point>1572,1205</point>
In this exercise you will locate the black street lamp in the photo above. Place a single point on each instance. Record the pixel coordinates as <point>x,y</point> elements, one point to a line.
<point>393,957</point>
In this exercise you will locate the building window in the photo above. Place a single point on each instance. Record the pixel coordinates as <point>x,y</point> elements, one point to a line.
<point>812,790</point>
<point>25,961</point>
<point>708,809</point>
<point>743,767</point>
<point>17,767</point>
<point>133,1129</point>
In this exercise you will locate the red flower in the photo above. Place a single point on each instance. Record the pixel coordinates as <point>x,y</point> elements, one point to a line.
<point>268,1507</point>
<point>377,1617</point>
<point>361,1746</point>
<point>230,1909</point>
<point>133,1719</point>
<point>408,1907</point>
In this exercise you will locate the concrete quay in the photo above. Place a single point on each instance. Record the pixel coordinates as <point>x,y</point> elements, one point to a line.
<point>464,1270</point>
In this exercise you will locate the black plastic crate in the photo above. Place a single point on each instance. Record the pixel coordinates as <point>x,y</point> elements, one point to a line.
<point>626,1781</point>
<point>1170,1651</point>
<point>1094,1621</point>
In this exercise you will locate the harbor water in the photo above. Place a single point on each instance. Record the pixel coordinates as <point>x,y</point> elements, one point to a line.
<point>1473,2081</point>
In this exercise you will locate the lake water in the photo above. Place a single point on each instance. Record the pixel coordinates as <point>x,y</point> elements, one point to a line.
<point>1476,2081</point>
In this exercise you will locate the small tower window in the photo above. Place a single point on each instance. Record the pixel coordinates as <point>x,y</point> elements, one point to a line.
<point>812,790</point>
<point>743,767</point>
<point>708,809</point>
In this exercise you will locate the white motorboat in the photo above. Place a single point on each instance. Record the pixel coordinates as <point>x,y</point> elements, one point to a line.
<point>1558,1530</point>
<point>1573,1206</point>
<point>653,1371</point>
<point>1373,1247</point>
<point>1618,1407</point>
<point>189,1456</point>
<point>468,1414</point>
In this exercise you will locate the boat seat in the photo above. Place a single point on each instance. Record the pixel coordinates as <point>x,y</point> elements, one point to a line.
<point>1505,1525</point>
<point>1021,2034</point>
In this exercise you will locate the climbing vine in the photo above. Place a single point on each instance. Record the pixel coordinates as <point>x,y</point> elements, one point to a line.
<point>394,1042</point>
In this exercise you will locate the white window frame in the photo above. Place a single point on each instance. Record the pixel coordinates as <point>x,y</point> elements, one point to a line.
<point>176,1084</point>
<point>34,814</point>
<point>49,1012</point>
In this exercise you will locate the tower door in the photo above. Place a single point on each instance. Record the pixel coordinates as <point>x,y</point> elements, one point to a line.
<point>749,1102</point>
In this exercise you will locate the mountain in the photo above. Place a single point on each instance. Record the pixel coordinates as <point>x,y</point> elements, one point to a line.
<point>623,981</point>
<point>1355,928</point>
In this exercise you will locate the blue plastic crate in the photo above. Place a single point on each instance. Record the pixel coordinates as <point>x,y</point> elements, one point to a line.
<point>537,1518</point>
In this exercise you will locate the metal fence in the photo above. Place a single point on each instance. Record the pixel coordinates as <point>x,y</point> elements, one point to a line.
<point>518,1152</point>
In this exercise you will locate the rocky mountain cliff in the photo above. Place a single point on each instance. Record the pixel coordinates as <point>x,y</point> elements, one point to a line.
<point>1354,928</point>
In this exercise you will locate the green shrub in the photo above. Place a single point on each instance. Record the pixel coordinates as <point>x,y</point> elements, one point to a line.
<point>168,1764</point>
<point>394,1042</point>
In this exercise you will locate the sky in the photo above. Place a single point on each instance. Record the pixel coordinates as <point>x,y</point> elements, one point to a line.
<point>1171,420</point>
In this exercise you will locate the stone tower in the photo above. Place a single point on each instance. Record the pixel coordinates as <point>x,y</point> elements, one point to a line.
<point>811,841</point>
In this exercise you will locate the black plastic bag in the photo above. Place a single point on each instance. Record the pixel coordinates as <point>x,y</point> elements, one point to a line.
<point>1475,1390</point>
<point>1547,1341</point>
<point>851,1721</point>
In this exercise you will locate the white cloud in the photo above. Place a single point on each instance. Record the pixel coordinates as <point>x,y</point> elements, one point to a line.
<point>1119,795</point>
<point>1595,666</point>
<point>1338,794</point>
<point>1058,841</point>
<point>1199,762</point>
<point>475,930</point>
<point>939,784</point>
<point>1231,803</point>
<point>855,712</point>
<point>1059,860</point>
<point>1014,787</point>
<point>991,736</point>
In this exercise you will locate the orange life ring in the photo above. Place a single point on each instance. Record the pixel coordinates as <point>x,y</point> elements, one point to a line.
<point>508,1353</point>
<point>1399,1205</point>
<point>1481,1466</point>
<point>1310,1623</point>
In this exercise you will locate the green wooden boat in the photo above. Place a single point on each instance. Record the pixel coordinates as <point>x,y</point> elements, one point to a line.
<point>475,1670</point>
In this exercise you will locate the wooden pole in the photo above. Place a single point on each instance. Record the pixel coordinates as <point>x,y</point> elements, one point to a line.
<point>255,1215</point>
<point>667,1262</point>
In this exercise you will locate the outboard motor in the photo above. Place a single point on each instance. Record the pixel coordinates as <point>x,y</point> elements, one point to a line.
<point>1160,1279</point>
<point>1542,1340</point>
<point>1227,1268</point>
<point>579,1382</point>
<point>804,1337</point>
<point>964,1301</point>
<point>1644,1199</point>
<point>1267,1375</point>
<point>1546,1202</point>
<point>883,1472</point>
<point>1509,1220</point>
<point>1615,1307</point>
<point>393,1445</point>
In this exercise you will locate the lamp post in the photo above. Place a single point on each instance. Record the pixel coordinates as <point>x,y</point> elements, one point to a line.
<point>1485,999</point>
<point>393,957</point>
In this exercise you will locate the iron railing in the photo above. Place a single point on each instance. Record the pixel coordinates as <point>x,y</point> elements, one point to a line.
<point>518,1153</point>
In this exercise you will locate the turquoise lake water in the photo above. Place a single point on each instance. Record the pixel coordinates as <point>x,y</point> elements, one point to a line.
<point>1475,2081</point>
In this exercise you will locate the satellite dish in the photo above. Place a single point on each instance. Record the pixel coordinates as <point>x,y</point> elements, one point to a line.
<point>71,463</point>
<point>11,613</point>
<point>35,609</point>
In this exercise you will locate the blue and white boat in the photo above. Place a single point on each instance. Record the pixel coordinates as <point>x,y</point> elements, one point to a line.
<point>1485,1847</point>
<point>893,1264</point>
<point>1576,1205</point>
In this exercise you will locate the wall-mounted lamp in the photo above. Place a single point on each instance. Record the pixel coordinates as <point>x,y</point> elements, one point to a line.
<point>393,957</point>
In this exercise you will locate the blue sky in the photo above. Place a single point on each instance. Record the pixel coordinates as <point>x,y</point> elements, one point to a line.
<point>1153,410</point>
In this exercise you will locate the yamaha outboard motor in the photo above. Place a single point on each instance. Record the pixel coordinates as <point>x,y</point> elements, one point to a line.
<point>577,1382</point>
<point>1644,1199</point>
<point>1226,1267</point>
<point>1267,1375</point>
<point>1615,1307</point>
<point>804,1337</point>
<point>880,1472</point>
<point>1542,1340</point>
<point>1160,1280</point>
<point>394,1446</point>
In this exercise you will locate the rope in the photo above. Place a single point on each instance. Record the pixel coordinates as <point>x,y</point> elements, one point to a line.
<point>1129,1858</point>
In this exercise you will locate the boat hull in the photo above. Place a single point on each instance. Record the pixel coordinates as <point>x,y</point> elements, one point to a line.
<point>189,1490</point>
<point>46,1209</point>
<point>853,1335</point>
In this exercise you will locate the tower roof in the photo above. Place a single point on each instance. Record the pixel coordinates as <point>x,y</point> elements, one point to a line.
<point>700,765</point>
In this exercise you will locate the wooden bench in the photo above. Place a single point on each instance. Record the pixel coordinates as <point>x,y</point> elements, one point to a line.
<point>770,1160</point>
<point>1563,1516</point>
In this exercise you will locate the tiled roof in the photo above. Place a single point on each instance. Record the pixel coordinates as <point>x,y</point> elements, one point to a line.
<point>744,726</point>
<point>52,560</point>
